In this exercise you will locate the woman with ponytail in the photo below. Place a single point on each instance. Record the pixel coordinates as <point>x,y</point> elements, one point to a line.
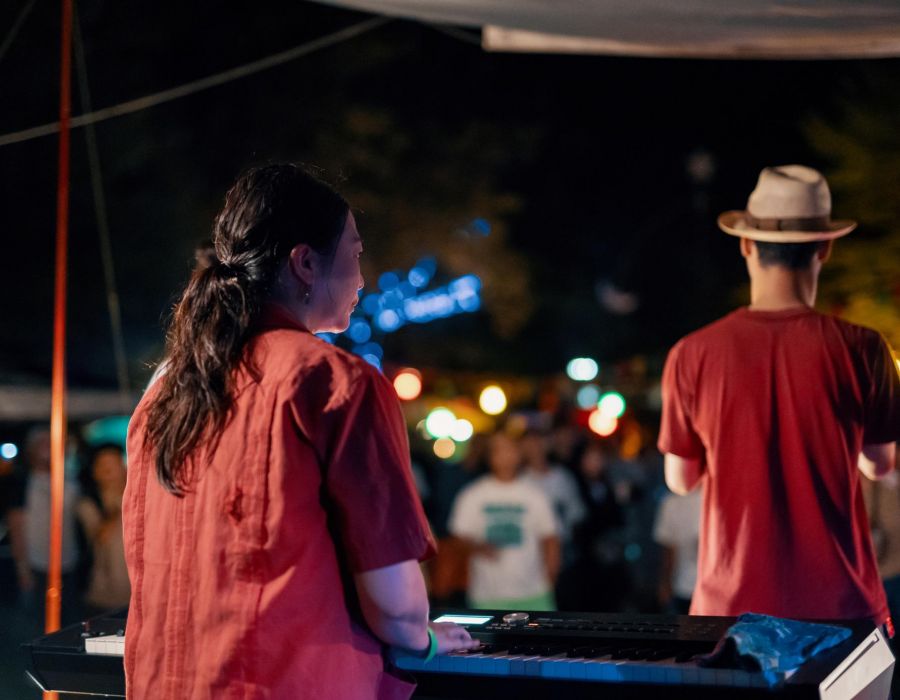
<point>272,530</point>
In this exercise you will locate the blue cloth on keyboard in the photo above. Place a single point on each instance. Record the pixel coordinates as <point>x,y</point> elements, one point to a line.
<point>776,645</point>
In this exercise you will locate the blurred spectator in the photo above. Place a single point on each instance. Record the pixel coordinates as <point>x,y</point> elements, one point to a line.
<point>32,551</point>
<point>12,526</point>
<point>449,570</point>
<point>99,512</point>
<point>558,484</point>
<point>598,580</point>
<point>511,533</point>
<point>677,531</point>
<point>566,441</point>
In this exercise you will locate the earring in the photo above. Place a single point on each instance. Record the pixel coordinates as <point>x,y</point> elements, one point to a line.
<point>306,295</point>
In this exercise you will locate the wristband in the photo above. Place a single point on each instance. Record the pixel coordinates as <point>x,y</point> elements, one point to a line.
<point>432,645</point>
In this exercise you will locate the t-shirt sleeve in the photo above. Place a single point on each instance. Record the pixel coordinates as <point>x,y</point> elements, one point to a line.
<point>544,521</point>
<point>677,434</point>
<point>361,439</point>
<point>882,409</point>
<point>464,518</point>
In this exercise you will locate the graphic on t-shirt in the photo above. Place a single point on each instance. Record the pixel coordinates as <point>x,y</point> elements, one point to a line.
<point>504,524</point>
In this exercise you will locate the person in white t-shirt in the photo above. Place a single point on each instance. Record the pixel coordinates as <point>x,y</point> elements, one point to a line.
<point>558,484</point>
<point>511,533</point>
<point>677,531</point>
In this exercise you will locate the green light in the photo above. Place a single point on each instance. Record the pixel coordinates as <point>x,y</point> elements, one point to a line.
<point>612,404</point>
<point>440,423</point>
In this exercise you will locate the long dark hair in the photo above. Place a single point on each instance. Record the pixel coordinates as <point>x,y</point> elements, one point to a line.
<point>268,211</point>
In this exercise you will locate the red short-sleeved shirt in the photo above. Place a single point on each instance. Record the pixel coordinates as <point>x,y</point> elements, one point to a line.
<point>241,589</point>
<point>778,406</point>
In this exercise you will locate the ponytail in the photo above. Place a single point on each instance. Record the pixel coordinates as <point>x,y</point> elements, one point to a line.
<point>267,212</point>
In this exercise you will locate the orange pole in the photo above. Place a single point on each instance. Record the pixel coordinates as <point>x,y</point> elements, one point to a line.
<point>58,391</point>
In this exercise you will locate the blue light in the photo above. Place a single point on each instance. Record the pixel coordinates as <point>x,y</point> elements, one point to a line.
<point>392,299</point>
<point>389,320</point>
<point>327,337</point>
<point>372,360</point>
<point>406,290</point>
<point>370,304</point>
<point>428,264</point>
<point>369,349</point>
<point>587,396</point>
<point>418,277</point>
<point>360,331</point>
<point>481,226</point>
<point>8,450</point>
<point>388,281</point>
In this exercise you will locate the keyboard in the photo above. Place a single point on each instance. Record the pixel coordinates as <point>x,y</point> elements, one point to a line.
<point>537,656</point>
<point>574,655</point>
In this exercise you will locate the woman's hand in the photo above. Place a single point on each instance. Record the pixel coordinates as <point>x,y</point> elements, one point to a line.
<point>452,637</point>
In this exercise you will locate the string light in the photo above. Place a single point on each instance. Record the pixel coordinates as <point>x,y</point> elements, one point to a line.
<point>440,423</point>
<point>462,431</point>
<point>408,384</point>
<point>492,400</point>
<point>582,369</point>
<point>602,424</point>
<point>444,448</point>
<point>612,403</point>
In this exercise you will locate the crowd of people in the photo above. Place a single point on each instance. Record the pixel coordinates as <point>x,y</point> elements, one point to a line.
<point>770,416</point>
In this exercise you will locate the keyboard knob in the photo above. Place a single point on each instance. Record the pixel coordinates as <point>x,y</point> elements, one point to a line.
<point>516,618</point>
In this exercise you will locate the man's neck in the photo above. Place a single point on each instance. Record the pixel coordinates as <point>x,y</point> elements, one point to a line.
<point>777,288</point>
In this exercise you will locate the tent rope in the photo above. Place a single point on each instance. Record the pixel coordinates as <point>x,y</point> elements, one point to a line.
<point>196,86</point>
<point>17,25</point>
<point>100,210</point>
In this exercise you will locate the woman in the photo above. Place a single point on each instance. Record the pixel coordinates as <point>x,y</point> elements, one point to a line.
<point>99,512</point>
<point>272,530</point>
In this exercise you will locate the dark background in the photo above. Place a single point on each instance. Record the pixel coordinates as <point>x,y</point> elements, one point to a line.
<point>579,163</point>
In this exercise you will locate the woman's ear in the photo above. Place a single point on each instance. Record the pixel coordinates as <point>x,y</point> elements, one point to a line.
<point>302,263</point>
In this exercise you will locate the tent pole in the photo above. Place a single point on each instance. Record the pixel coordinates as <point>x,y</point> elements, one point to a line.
<point>58,390</point>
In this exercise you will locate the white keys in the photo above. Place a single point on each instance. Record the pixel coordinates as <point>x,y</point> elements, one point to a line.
<point>109,645</point>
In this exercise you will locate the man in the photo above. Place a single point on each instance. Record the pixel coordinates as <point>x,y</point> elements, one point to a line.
<point>508,526</point>
<point>777,409</point>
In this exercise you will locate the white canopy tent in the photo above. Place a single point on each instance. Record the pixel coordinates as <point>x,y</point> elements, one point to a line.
<point>738,29</point>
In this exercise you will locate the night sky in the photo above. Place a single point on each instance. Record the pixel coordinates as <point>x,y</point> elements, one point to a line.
<point>594,150</point>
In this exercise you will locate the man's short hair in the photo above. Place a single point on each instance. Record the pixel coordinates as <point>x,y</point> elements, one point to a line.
<point>793,256</point>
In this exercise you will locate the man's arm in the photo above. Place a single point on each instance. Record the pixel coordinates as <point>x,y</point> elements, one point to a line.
<point>877,461</point>
<point>552,557</point>
<point>682,474</point>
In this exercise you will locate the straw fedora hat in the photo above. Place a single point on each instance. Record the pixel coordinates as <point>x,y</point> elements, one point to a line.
<point>791,204</point>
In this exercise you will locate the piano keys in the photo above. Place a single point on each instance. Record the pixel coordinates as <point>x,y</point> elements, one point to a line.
<point>558,656</point>
<point>577,655</point>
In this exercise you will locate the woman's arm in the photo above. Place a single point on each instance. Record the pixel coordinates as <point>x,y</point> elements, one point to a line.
<point>395,604</point>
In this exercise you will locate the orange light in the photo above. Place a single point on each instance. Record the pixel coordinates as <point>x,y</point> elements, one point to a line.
<point>444,448</point>
<point>408,384</point>
<point>602,423</point>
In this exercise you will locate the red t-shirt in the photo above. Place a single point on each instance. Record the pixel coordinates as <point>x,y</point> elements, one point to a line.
<point>778,406</point>
<point>242,588</point>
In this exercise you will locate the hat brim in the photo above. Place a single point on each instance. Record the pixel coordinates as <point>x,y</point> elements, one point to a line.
<point>735,223</point>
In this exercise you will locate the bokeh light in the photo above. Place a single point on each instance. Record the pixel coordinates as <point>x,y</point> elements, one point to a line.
<point>440,422</point>
<point>359,331</point>
<point>492,400</point>
<point>612,403</point>
<point>8,450</point>
<point>587,396</point>
<point>463,430</point>
<point>582,369</point>
<point>408,384</point>
<point>444,448</point>
<point>602,424</point>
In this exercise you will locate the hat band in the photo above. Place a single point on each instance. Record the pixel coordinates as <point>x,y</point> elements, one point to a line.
<point>808,223</point>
